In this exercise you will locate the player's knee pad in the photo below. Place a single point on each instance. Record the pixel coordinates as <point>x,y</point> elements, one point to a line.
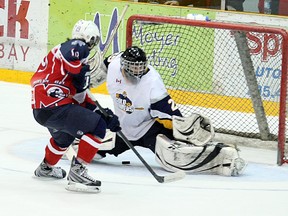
<point>62,139</point>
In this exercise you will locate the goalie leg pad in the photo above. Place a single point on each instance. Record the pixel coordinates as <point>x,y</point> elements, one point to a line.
<point>108,142</point>
<point>210,159</point>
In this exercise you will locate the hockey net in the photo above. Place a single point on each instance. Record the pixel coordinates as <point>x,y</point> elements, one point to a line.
<point>233,73</point>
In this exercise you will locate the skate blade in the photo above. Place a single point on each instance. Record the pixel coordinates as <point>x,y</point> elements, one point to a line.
<point>78,187</point>
<point>46,178</point>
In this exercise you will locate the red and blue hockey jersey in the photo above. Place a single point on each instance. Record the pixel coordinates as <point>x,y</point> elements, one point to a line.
<point>62,73</point>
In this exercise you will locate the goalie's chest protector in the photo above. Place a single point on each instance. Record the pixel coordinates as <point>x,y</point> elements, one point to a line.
<point>132,101</point>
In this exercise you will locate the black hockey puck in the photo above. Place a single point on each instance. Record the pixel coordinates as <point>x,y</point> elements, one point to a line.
<point>125,162</point>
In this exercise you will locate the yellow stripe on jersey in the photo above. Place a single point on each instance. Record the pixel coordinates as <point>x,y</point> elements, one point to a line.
<point>166,122</point>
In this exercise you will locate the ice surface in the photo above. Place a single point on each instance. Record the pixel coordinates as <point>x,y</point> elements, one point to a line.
<point>128,190</point>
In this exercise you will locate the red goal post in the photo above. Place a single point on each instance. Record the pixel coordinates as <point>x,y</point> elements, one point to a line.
<point>236,74</point>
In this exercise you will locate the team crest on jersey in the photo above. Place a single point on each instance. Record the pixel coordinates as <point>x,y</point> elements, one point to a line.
<point>124,103</point>
<point>56,92</point>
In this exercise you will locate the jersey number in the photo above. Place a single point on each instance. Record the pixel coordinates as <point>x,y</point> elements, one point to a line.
<point>173,104</point>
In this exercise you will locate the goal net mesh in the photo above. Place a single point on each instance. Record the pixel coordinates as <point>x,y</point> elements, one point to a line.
<point>228,72</point>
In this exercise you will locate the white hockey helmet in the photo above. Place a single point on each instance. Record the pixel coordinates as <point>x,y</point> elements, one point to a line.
<point>87,31</point>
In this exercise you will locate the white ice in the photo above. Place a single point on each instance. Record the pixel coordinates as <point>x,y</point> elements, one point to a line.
<point>127,190</point>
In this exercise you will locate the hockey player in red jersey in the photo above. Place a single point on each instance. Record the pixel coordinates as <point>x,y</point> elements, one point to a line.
<point>61,104</point>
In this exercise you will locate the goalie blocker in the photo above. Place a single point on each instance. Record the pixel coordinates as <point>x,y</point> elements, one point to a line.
<point>193,150</point>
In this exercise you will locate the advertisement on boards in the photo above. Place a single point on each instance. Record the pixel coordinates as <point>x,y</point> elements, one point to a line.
<point>23,33</point>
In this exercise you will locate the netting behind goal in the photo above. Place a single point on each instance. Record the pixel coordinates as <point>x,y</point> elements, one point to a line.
<point>235,74</point>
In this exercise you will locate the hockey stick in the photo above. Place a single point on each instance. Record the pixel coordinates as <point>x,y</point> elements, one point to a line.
<point>95,58</point>
<point>161,179</point>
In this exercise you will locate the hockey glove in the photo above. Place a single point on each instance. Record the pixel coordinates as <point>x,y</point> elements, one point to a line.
<point>111,120</point>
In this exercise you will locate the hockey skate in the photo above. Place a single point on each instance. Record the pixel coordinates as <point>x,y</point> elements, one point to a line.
<point>79,180</point>
<point>43,170</point>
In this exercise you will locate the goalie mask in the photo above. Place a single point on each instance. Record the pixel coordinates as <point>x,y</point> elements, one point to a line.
<point>134,63</point>
<point>86,31</point>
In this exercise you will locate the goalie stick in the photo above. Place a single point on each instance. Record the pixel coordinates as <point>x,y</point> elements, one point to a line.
<point>161,179</point>
<point>93,60</point>
<point>114,31</point>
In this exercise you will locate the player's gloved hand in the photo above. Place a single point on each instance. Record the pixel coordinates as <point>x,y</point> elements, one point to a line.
<point>112,121</point>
